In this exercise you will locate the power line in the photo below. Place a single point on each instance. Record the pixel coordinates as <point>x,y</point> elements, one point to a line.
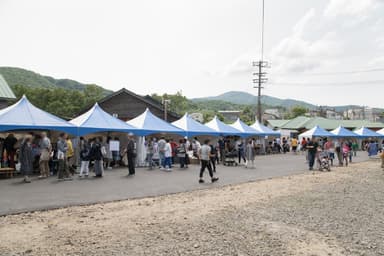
<point>335,73</point>
<point>356,83</point>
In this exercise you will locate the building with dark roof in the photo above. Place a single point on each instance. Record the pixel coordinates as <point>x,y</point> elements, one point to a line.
<point>6,93</point>
<point>127,105</point>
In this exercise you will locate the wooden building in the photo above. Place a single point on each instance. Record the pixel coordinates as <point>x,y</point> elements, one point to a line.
<point>127,105</point>
<point>6,94</point>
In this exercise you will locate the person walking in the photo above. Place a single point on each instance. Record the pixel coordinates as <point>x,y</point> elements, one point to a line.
<point>339,152</point>
<point>26,159</point>
<point>62,148</point>
<point>294,144</point>
<point>85,151</point>
<point>156,156</point>
<point>131,154</point>
<point>213,157</point>
<point>240,150</point>
<point>221,143</point>
<point>204,155</point>
<point>312,150</point>
<point>345,150</point>
<point>45,153</point>
<point>250,155</point>
<point>187,144</point>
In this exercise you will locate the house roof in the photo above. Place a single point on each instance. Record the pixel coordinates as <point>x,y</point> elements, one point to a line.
<point>277,122</point>
<point>147,99</point>
<point>5,90</point>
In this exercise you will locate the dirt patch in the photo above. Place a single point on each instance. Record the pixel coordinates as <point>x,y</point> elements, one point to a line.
<point>336,213</point>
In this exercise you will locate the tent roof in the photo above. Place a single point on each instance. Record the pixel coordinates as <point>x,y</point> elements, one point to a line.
<point>191,127</point>
<point>342,132</point>
<point>5,90</point>
<point>245,129</point>
<point>317,131</point>
<point>366,133</point>
<point>264,129</point>
<point>381,131</point>
<point>24,116</point>
<point>152,124</point>
<point>222,128</point>
<point>97,120</point>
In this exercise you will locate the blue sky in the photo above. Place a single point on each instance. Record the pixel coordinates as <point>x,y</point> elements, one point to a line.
<point>327,52</point>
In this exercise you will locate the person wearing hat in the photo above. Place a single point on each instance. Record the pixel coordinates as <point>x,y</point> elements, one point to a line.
<point>131,154</point>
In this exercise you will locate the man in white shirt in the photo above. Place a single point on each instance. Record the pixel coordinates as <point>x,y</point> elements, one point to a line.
<point>204,155</point>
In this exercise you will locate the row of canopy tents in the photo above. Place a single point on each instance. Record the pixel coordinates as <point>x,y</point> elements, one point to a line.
<point>341,132</point>
<point>25,116</point>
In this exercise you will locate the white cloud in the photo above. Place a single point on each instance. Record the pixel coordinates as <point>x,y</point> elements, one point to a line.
<point>296,53</point>
<point>356,8</point>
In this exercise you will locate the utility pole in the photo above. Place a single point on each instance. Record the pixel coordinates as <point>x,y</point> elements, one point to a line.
<point>261,79</point>
<point>165,103</point>
<point>260,74</point>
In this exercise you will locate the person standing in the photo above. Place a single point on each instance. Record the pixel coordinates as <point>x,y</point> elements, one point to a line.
<point>250,154</point>
<point>187,144</point>
<point>204,155</point>
<point>70,156</point>
<point>168,156</point>
<point>345,152</point>
<point>355,147</point>
<point>10,148</point>
<point>149,151</point>
<point>45,153</point>
<point>26,159</point>
<point>155,157</point>
<point>312,150</point>
<point>240,150</point>
<point>161,145</point>
<point>84,158</point>
<point>97,156</point>
<point>131,154</point>
<point>181,152</point>
<point>221,143</point>
<point>339,152</point>
<point>294,144</point>
<point>62,149</point>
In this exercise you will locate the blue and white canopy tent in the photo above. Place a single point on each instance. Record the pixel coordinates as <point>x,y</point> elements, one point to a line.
<point>192,127</point>
<point>151,124</point>
<point>341,132</point>
<point>222,128</point>
<point>245,129</point>
<point>23,115</point>
<point>265,130</point>
<point>97,120</point>
<point>381,131</point>
<point>316,131</point>
<point>364,132</point>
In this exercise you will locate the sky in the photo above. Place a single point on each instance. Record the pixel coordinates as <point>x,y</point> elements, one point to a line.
<point>326,52</point>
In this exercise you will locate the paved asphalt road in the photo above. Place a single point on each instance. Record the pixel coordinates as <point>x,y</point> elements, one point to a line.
<point>15,196</point>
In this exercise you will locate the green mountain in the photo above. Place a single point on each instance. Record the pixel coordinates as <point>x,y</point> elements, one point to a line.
<point>245,98</point>
<point>18,76</point>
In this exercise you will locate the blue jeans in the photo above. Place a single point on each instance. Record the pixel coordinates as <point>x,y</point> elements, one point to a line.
<point>167,162</point>
<point>311,159</point>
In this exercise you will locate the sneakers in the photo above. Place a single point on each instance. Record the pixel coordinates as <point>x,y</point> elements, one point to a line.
<point>168,169</point>
<point>201,181</point>
<point>214,179</point>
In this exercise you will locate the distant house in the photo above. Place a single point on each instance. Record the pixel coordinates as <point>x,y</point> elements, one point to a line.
<point>127,105</point>
<point>6,94</point>
<point>230,115</point>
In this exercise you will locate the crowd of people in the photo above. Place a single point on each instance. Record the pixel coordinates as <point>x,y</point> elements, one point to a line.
<point>35,151</point>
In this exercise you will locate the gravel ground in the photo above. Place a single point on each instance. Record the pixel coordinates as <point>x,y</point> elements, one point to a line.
<point>336,213</point>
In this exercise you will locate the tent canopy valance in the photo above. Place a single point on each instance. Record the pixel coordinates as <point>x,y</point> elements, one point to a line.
<point>23,115</point>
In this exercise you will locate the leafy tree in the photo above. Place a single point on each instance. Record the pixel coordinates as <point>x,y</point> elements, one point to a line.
<point>248,115</point>
<point>297,111</point>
